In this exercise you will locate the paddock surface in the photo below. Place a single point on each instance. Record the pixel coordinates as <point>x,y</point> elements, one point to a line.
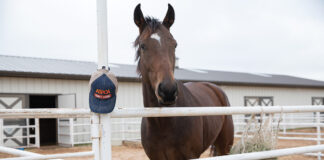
<point>137,153</point>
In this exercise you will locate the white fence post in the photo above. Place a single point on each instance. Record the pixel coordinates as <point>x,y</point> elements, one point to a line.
<point>100,135</point>
<point>123,129</point>
<point>284,121</point>
<point>37,136</point>
<point>95,135</point>
<point>105,140</point>
<point>1,132</point>
<point>318,129</point>
<point>27,132</point>
<point>104,119</point>
<point>71,123</point>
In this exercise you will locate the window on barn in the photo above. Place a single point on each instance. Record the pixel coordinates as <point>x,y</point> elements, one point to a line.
<point>318,101</point>
<point>257,101</point>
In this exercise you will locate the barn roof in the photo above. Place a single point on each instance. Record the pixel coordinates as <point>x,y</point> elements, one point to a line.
<point>68,69</point>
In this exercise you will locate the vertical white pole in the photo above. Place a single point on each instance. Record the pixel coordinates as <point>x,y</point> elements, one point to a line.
<point>1,132</point>
<point>104,119</point>
<point>27,127</point>
<point>95,136</point>
<point>102,33</point>
<point>123,129</point>
<point>59,141</point>
<point>71,122</point>
<point>318,128</point>
<point>105,140</point>
<point>284,121</point>
<point>37,138</point>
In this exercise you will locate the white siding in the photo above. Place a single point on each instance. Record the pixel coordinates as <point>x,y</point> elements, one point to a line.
<point>281,95</point>
<point>46,86</point>
<point>130,95</point>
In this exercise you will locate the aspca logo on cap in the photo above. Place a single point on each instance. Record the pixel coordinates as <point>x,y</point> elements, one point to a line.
<point>102,94</point>
<point>103,89</point>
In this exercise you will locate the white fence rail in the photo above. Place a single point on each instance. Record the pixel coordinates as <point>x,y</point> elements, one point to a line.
<point>153,112</point>
<point>156,112</point>
<point>269,154</point>
<point>130,130</point>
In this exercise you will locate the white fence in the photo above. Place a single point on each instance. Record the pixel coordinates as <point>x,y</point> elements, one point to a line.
<point>101,139</point>
<point>70,132</point>
<point>130,130</point>
<point>28,134</point>
<point>74,131</point>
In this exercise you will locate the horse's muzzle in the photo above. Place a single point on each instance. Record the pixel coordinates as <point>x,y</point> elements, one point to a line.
<point>168,93</point>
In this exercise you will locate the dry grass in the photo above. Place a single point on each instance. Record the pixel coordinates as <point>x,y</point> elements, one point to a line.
<point>264,139</point>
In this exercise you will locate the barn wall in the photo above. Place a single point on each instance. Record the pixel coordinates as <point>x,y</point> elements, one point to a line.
<point>281,96</point>
<point>130,95</point>
<point>46,86</point>
<point>13,102</point>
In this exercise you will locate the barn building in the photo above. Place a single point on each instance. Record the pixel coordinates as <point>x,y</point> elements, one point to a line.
<point>49,83</point>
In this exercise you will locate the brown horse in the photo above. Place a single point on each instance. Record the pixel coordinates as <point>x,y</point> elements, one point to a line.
<point>175,138</point>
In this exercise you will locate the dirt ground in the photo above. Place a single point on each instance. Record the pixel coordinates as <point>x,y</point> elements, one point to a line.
<point>137,153</point>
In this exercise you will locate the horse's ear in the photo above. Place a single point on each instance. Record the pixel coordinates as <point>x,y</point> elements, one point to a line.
<point>139,18</point>
<point>169,17</point>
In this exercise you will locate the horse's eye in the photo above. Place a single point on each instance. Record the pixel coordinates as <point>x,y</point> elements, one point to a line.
<point>176,45</point>
<point>142,46</point>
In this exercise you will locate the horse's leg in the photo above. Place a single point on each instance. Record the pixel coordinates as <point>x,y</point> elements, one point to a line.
<point>224,141</point>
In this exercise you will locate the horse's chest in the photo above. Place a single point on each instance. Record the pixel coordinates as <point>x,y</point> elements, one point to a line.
<point>179,129</point>
<point>183,139</point>
<point>166,146</point>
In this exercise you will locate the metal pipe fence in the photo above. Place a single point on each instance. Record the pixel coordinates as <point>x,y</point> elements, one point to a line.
<point>101,140</point>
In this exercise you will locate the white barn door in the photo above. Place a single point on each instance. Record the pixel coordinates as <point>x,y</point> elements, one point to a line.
<point>12,132</point>
<point>65,125</point>
<point>66,101</point>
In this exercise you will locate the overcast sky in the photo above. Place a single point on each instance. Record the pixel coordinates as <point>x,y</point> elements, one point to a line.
<point>272,36</point>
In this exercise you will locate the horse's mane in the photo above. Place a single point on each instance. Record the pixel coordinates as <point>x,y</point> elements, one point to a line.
<point>153,24</point>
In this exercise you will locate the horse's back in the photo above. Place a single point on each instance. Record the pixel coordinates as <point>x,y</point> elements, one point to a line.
<point>207,94</point>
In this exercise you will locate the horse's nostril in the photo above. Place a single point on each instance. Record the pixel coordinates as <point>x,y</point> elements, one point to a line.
<point>175,93</point>
<point>160,91</point>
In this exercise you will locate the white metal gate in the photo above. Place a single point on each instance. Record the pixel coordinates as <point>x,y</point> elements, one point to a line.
<point>65,127</point>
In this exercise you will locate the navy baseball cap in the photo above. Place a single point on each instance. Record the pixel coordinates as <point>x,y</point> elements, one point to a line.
<point>103,90</point>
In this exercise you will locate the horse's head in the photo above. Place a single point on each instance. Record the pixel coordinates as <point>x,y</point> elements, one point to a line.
<point>156,54</point>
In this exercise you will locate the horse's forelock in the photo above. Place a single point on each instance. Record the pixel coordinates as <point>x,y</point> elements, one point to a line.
<point>152,25</point>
